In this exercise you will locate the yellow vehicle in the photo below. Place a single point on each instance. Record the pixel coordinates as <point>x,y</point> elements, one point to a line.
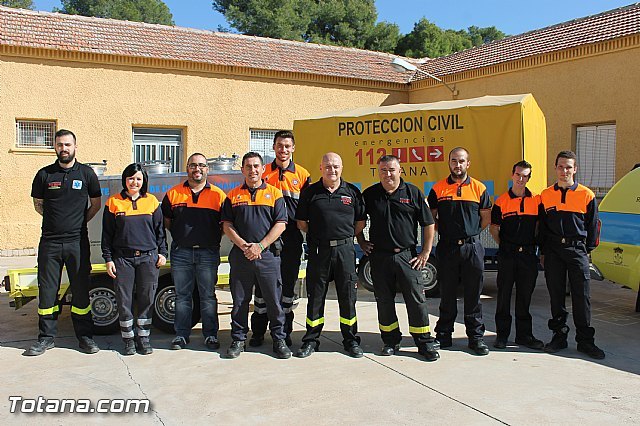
<point>617,257</point>
<point>498,131</point>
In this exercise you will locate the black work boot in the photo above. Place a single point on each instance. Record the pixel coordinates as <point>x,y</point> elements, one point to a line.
<point>530,342</point>
<point>591,349</point>
<point>281,349</point>
<point>429,351</point>
<point>388,350</point>
<point>500,343</point>
<point>38,348</point>
<point>129,347</point>
<point>144,346</point>
<point>479,347</point>
<point>88,345</point>
<point>354,350</point>
<point>256,341</point>
<point>444,339</point>
<point>236,348</point>
<point>306,349</point>
<point>558,341</point>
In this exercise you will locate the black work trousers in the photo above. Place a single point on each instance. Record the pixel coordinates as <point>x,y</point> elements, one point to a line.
<point>246,274</point>
<point>387,271</point>
<point>521,269</point>
<point>137,274</point>
<point>572,261</point>
<point>461,264</point>
<point>290,259</point>
<point>326,264</point>
<point>52,257</point>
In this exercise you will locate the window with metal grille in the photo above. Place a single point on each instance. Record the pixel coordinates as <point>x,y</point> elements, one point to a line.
<point>261,141</point>
<point>35,133</point>
<point>158,145</point>
<point>596,151</point>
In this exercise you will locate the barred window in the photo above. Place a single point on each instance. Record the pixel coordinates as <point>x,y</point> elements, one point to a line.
<point>596,151</point>
<point>261,141</point>
<point>35,133</point>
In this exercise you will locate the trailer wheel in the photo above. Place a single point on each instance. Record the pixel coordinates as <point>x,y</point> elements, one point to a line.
<point>164,305</point>
<point>429,276</point>
<point>364,274</point>
<point>104,307</point>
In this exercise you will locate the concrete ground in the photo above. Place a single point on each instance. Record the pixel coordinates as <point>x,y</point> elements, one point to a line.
<point>196,386</point>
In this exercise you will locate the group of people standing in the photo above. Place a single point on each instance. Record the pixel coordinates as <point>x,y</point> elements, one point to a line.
<point>265,219</point>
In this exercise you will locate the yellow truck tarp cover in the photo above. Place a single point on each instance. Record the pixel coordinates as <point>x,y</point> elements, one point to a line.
<point>498,131</point>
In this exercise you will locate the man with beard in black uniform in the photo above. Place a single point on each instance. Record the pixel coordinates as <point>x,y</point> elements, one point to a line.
<point>60,194</point>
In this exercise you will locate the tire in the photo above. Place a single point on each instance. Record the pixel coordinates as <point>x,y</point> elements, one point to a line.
<point>164,305</point>
<point>430,277</point>
<point>104,307</point>
<point>364,274</point>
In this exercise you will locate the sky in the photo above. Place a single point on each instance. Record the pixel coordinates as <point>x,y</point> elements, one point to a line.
<point>510,16</point>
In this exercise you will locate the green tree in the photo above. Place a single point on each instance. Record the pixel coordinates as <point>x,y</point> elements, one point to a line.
<point>349,23</point>
<point>23,4</point>
<point>151,11</point>
<point>428,40</point>
<point>484,35</point>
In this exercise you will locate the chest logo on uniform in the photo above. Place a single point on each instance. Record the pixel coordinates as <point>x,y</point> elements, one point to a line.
<point>295,181</point>
<point>508,214</point>
<point>76,184</point>
<point>405,200</point>
<point>345,200</point>
<point>267,195</point>
<point>445,198</point>
<point>54,185</point>
<point>121,214</point>
<point>550,209</point>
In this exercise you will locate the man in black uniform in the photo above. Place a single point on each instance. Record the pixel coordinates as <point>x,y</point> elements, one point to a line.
<point>60,194</point>
<point>514,220</point>
<point>254,216</point>
<point>331,212</point>
<point>396,208</point>
<point>568,233</point>
<point>462,210</point>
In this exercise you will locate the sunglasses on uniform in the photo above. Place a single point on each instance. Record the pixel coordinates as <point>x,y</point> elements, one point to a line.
<point>194,166</point>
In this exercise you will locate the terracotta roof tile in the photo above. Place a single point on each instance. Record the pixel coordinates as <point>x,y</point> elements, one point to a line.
<point>113,37</point>
<point>605,26</point>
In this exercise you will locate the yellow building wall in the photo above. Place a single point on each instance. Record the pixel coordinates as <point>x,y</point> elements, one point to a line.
<point>600,89</point>
<point>102,103</point>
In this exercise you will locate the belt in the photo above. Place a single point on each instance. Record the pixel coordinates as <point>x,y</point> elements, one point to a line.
<point>333,243</point>
<point>133,253</point>
<point>516,248</point>
<point>395,250</point>
<point>460,241</point>
<point>568,241</point>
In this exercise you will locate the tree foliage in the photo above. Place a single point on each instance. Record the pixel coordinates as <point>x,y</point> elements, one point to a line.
<point>349,23</point>
<point>22,4</point>
<point>151,11</point>
<point>428,40</point>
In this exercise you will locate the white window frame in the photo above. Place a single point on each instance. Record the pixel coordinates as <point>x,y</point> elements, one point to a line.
<point>158,144</point>
<point>35,134</point>
<point>596,152</point>
<point>261,141</point>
